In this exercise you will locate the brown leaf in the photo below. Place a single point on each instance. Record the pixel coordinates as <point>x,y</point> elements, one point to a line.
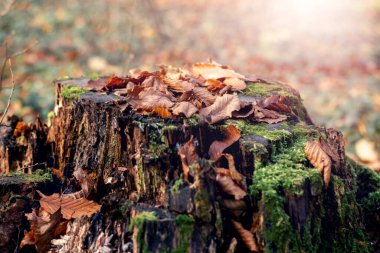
<point>276,103</point>
<point>188,156</point>
<point>117,82</point>
<point>178,85</point>
<point>44,227</point>
<point>155,83</point>
<point>86,182</point>
<point>96,85</point>
<point>319,159</point>
<point>214,71</point>
<point>268,116</point>
<point>203,95</point>
<point>246,236</point>
<point>235,83</point>
<point>228,185</point>
<point>231,135</point>
<point>185,108</point>
<point>70,206</point>
<point>246,110</point>
<point>213,84</point>
<point>235,175</point>
<point>221,109</point>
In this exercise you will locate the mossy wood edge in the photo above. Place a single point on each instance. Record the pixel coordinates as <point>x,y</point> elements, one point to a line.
<point>147,206</point>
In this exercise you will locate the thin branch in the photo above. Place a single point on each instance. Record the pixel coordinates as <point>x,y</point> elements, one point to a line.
<point>10,95</point>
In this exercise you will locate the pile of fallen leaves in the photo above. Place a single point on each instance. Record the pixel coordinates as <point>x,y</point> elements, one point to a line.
<point>209,89</point>
<point>50,220</point>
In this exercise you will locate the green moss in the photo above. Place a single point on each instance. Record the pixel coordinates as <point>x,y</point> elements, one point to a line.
<point>265,89</point>
<point>184,224</point>
<point>35,177</point>
<point>177,184</point>
<point>194,120</point>
<point>72,91</point>
<point>247,128</point>
<point>95,76</point>
<point>202,204</point>
<point>139,221</point>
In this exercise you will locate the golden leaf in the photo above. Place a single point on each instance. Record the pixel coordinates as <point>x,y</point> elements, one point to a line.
<point>319,159</point>
<point>236,84</point>
<point>214,71</point>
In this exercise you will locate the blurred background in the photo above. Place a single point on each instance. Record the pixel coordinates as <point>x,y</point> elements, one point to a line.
<point>328,49</point>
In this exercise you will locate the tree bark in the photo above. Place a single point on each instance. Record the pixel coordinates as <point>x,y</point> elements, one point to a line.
<point>147,205</point>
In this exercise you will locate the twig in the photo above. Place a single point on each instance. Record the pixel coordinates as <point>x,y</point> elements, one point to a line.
<point>10,95</point>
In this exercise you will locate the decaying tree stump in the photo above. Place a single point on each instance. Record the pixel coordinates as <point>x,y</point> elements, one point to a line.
<point>150,205</point>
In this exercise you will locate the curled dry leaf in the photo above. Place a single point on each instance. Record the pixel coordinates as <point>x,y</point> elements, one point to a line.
<point>86,182</point>
<point>268,116</point>
<point>319,159</point>
<point>236,84</point>
<point>70,206</point>
<point>228,185</point>
<point>235,175</point>
<point>188,156</point>
<point>43,228</point>
<point>234,204</point>
<point>117,82</point>
<point>213,84</point>
<point>178,85</point>
<point>186,108</point>
<point>221,109</point>
<point>231,135</point>
<point>276,103</point>
<point>203,95</point>
<point>214,71</point>
<point>246,236</point>
<point>96,85</point>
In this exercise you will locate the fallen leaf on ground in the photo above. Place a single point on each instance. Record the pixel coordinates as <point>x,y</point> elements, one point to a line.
<point>231,135</point>
<point>221,109</point>
<point>117,82</point>
<point>214,71</point>
<point>366,150</point>
<point>319,159</point>
<point>43,228</point>
<point>186,108</point>
<point>276,103</point>
<point>70,206</point>
<point>267,116</point>
<point>203,95</point>
<point>188,156</point>
<point>236,83</point>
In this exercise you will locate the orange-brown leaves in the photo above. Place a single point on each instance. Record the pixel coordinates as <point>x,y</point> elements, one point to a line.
<point>70,206</point>
<point>231,135</point>
<point>20,129</point>
<point>188,156</point>
<point>44,227</point>
<point>236,84</point>
<point>221,109</point>
<point>228,185</point>
<point>268,116</point>
<point>117,82</point>
<point>214,71</point>
<point>277,103</point>
<point>319,159</point>
<point>246,236</point>
<point>185,108</point>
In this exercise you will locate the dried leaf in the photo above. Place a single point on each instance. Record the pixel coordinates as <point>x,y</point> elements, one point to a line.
<point>221,109</point>
<point>188,156</point>
<point>231,135</point>
<point>246,110</point>
<point>366,151</point>
<point>246,236</point>
<point>235,175</point>
<point>203,95</point>
<point>319,159</point>
<point>235,83</point>
<point>20,129</point>
<point>44,227</point>
<point>96,85</point>
<point>268,116</point>
<point>213,84</point>
<point>70,206</point>
<point>232,204</point>
<point>229,186</point>
<point>276,103</point>
<point>178,85</point>
<point>86,182</point>
<point>186,108</point>
<point>117,82</point>
<point>214,71</point>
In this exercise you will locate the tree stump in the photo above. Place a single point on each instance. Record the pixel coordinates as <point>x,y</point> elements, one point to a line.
<point>150,204</point>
